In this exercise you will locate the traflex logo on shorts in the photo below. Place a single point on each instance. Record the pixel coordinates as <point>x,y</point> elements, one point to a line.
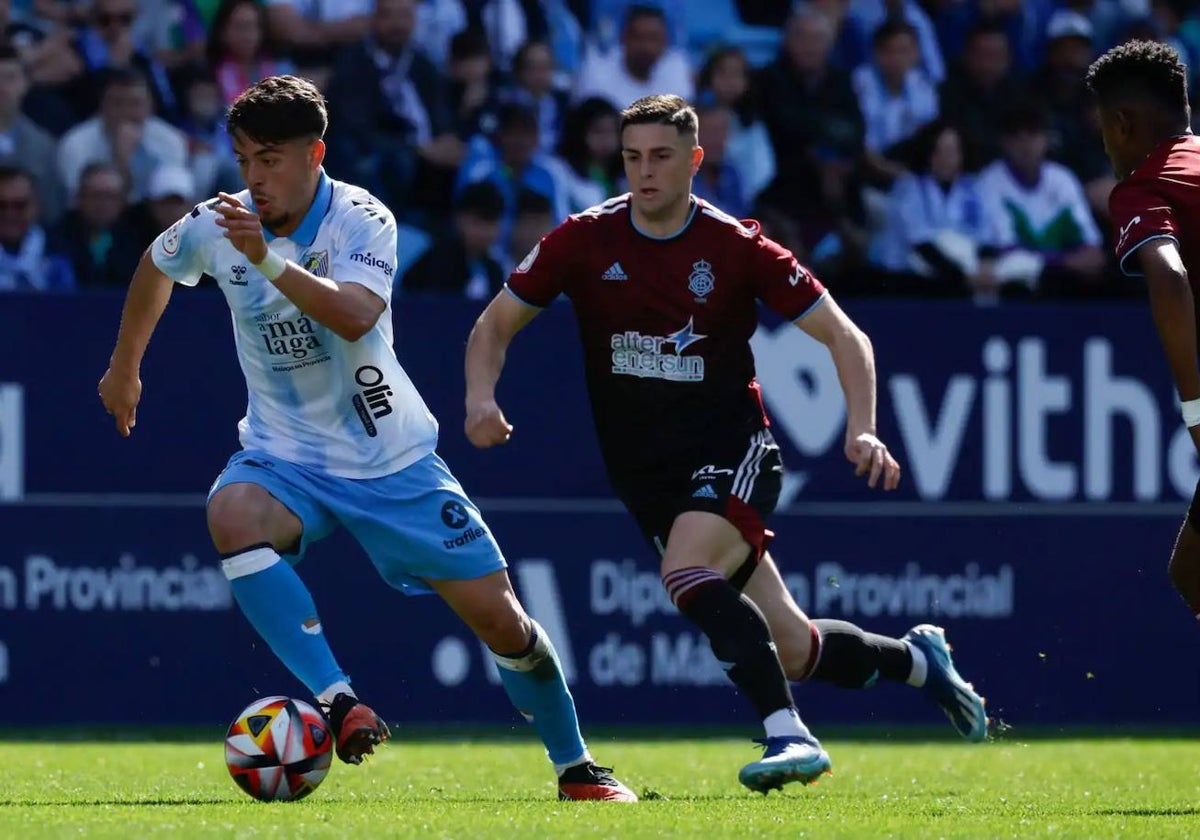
<point>643,356</point>
<point>372,402</point>
<point>454,515</point>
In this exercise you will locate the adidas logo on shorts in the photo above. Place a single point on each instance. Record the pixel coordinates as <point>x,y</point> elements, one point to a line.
<point>705,492</point>
<point>614,272</point>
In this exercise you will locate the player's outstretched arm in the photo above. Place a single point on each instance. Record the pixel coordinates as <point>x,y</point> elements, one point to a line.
<point>854,359</point>
<point>121,386</point>
<point>486,350</point>
<point>1173,307</point>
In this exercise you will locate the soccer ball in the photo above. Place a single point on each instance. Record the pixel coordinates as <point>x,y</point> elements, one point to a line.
<point>278,749</point>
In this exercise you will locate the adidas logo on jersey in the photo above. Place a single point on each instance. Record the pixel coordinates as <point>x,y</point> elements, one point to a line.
<point>614,272</point>
<point>705,492</point>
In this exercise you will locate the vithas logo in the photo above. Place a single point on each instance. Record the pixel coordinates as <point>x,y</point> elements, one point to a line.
<point>372,402</point>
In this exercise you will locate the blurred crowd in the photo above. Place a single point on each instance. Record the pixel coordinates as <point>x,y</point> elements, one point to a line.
<point>936,148</point>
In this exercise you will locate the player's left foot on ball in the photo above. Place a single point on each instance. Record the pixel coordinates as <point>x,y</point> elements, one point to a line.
<point>356,727</point>
<point>591,781</point>
<point>786,759</point>
<point>956,696</point>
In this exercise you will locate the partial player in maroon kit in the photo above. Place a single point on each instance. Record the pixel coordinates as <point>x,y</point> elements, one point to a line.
<point>666,289</point>
<point>1141,88</point>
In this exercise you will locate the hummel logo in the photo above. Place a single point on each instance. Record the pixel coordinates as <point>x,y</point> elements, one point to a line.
<point>614,272</point>
<point>239,275</point>
<point>705,492</point>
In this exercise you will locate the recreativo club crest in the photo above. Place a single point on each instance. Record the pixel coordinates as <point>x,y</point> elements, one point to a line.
<point>701,281</point>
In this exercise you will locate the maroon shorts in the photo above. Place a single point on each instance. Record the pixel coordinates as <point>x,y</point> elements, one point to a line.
<point>742,485</point>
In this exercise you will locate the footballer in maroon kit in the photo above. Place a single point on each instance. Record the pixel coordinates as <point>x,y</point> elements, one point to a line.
<point>665,289</point>
<point>1141,88</point>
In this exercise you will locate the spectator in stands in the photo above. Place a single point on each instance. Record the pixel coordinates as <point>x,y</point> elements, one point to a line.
<point>535,218</point>
<point>124,133</point>
<point>895,96</point>
<point>504,24</point>
<point>47,55</point>
<point>933,244</point>
<point>389,111</point>
<point>312,31</point>
<point>718,180</point>
<point>473,97</point>
<point>975,96</point>
<point>816,129</point>
<point>462,263</point>
<point>210,151</point>
<point>171,194</point>
<point>1074,122</point>
<point>26,261</point>
<point>865,17</point>
<point>173,32</point>
<point>106,45</point>
<point>102,245</point>
<point>590,149</point>
<point>607,17</point>
<point>643,65</point>
<point>533,85</point>
<point>1036,214</point>
<point>725,80</point>
<point>1023,21</point>
<point>25,143</point>
<point>510,160</point>
<point>238,52</point>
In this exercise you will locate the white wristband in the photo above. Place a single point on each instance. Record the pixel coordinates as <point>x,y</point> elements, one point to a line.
<point>272,266</point>
<point>1191,412</point>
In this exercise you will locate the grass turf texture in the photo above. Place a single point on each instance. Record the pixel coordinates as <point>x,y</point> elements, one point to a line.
<point>432,786</point>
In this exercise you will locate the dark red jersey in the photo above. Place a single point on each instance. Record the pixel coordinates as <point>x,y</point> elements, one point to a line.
<point>666,325</point>
<point>1160,199</point>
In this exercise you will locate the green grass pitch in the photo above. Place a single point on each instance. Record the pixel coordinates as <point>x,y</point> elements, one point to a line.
<point>485,786</point>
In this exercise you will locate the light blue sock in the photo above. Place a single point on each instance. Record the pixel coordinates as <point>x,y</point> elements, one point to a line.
<point>277,603</point>
<point>534,681</point>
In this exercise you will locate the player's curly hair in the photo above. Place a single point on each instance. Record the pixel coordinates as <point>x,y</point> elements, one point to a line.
<point>279,109</point>
<point>1141,70</point>
<point>662,109</point>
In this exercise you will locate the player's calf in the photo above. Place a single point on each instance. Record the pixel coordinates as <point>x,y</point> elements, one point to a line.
<point>1184,567</point>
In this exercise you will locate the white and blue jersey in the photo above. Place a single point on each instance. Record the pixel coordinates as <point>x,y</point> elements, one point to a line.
<point>315,399</point>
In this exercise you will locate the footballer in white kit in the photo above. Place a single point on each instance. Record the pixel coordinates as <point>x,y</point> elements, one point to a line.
<point>335,434</point>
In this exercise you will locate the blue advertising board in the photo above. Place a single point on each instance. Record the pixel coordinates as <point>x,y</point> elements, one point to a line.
<point>1045,475</point>
<point>122,615</point>
<point>1021,403</point>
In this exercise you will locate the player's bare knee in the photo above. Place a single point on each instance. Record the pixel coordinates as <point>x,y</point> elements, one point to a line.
<point>794,650</point>
<point>705,540</point>
<point>504,630</point>
<point>522,647</point>
<point>239,515</point>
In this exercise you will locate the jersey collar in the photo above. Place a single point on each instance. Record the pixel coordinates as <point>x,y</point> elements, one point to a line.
<point>686,224</point>
<point>306,233</point>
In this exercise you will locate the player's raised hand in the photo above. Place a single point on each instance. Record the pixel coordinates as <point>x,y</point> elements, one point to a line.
<point>243,228</point>
<point>120,392</point>
<point>486,425</point>
<point>871,458</point>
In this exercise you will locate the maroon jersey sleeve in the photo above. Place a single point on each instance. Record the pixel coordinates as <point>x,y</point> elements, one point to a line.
<point>542,275</point>
<point>780,281</point>
<point>1139,215</point>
